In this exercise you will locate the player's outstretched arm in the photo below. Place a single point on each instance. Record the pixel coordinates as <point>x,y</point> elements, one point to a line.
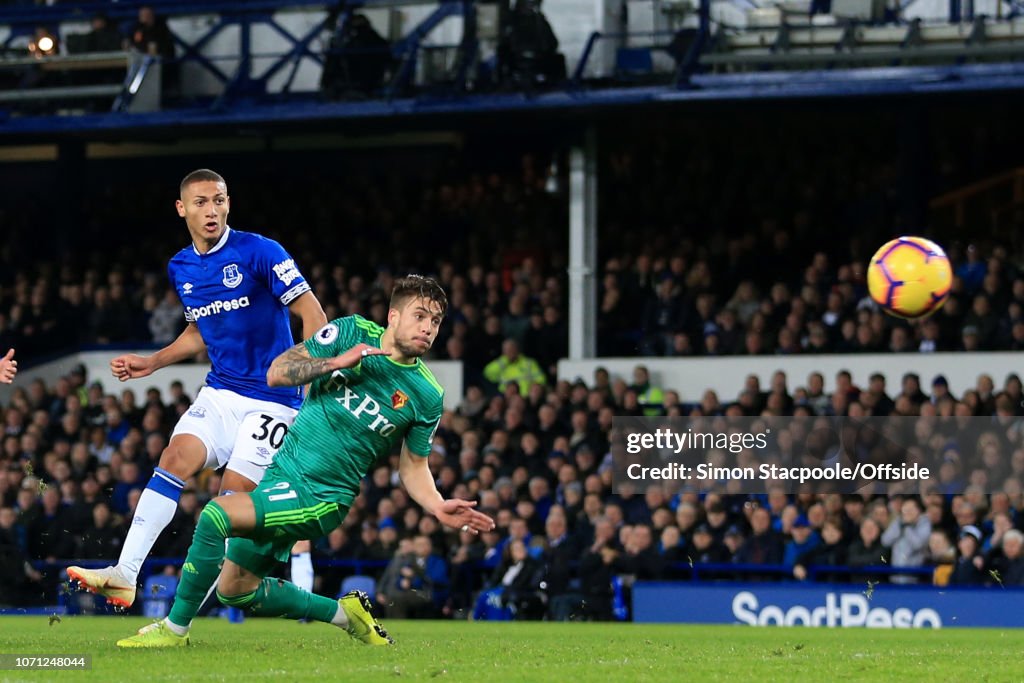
<point>295,366</point>
<point>453,512</point>
<point>8,367</point>
<point>307,307</point>
<point>187,345</point>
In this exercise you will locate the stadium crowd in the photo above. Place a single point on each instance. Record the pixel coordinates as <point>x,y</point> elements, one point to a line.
<point>531,448</point>
<point>74,461</point>
<point>678,275</point>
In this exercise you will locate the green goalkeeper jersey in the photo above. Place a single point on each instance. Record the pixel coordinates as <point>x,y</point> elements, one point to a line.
<point>353,417</point>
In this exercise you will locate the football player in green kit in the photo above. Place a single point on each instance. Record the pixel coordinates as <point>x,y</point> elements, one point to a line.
<point>369,391</point>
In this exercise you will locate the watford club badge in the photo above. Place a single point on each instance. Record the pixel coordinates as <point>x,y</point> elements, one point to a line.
<point>399,399</point>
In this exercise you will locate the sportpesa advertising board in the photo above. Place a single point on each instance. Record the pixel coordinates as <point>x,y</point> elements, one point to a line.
<point>759,604</point>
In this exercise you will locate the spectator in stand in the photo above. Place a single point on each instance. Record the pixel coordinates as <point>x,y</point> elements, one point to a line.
<point>519,576</point>
<point>47,538</point>
<point>764,546</point>
<point>547,340</point>
<point>831,552</point>
<point>706,549</point>
<point>596,572</point>
<point>992,547</point>
<point>512,367</point>
<point>1010,570</point>
<point>640,558</point>
<point>941,555</point>
<point>103,538</point>
<point>175,540</point>
<point>102,37</point>
<point>673,550</point>
<point>867,550</point>
<point>152,37</point>
<point>649,397</point>
<point>968,569</point>
<point>389,583</point>
<point>422,583</point>
<point>940,390</point>
<point>465,581</point>
<point>167,319</point>
<point>804,539</point>
<point>907,538</point>
<point>357,60</point>
<point>20,583</point>
<point>911,389</point>
<point>663,315</point>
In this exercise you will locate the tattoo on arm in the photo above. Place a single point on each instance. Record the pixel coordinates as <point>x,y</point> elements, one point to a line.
<point>297,367</point>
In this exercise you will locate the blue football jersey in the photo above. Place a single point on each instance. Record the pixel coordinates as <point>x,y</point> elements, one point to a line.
<point>238,294</point>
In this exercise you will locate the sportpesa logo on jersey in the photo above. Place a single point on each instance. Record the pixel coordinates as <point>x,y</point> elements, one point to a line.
<point>193,313</point>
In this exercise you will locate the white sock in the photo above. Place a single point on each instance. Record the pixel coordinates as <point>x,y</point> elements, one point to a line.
<point>154,512</point>
<point>175,629</point>
<point>302,571</point>
<point>340,618</point>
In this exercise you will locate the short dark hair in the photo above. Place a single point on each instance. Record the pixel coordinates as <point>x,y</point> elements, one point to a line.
<point>200,175</point>
<point>418,287</point>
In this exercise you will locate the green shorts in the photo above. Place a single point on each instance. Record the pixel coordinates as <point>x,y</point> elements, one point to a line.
<point>284,514</point>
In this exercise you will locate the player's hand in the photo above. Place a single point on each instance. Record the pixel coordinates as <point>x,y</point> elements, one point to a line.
<point>355,356</point>
<point>130,366</point>
<point>459,514</point>
<point>8,367</point>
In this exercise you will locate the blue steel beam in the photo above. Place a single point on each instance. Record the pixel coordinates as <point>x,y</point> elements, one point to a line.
<point>299,49</point>
<point>899,81</point>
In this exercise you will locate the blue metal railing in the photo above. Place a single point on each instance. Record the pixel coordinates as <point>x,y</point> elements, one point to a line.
<point>699,571</point>
<point>687,63</point>
<point>592,40</point>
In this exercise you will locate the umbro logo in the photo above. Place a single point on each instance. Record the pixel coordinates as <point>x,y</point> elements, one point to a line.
<point>187,288</point>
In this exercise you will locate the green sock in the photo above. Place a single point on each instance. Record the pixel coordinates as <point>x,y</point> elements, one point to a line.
<point>280,598</point>
<point>202,564</point>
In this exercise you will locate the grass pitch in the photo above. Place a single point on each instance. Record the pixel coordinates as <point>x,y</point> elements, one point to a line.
<point>264,649</point>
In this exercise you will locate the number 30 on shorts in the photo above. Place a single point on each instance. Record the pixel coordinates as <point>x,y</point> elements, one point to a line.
<point>275,434</point>
<point>288,494</point>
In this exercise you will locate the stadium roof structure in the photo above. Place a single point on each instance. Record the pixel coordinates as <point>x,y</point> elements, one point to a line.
<point>891,81</point>
<point>796,59</point>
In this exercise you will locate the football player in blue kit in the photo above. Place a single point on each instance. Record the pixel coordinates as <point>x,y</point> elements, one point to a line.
<point>237,289</point>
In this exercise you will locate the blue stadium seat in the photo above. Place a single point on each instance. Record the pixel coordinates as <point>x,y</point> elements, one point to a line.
<point>619,608</point>
<point>157,593</point>
<point>488,606</point>
<point>633,61</point>
<point>359,582</point>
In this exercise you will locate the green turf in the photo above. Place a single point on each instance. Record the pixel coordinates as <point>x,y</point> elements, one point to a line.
<point>262,649</point>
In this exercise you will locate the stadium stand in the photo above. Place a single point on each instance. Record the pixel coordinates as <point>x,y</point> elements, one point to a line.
<point>724,232</point>
<point>530,456</point>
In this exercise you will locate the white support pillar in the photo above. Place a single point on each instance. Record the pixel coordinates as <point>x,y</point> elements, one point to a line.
<point>583,248</point>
